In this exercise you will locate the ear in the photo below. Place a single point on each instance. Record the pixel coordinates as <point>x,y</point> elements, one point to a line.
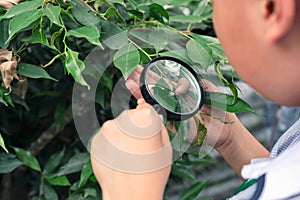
<point>279,16</point>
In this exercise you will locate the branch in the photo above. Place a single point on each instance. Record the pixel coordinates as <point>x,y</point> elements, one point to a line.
<point>50,133</point>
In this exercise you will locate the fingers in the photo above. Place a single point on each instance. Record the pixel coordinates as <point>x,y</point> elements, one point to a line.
<point>133,82</point>
<point>182,86</point>
<point>7,4</point>
<point>209,86</point>
<point>136,74</point>
<point>134,88</point>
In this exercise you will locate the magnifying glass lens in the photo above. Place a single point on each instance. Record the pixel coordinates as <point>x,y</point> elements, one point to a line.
<point>174,87</point>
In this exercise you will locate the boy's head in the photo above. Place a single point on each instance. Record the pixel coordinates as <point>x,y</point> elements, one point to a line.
<point>262,40</point>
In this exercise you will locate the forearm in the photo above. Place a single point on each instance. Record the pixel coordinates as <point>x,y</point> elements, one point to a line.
<point>240,147</point>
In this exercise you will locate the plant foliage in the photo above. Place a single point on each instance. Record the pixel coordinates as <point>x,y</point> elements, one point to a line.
<point>43,44</point>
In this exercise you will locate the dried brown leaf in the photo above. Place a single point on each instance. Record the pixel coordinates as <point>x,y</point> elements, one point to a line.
<point>21,87</point>
<point>9,72</point>
<point>5,55</point>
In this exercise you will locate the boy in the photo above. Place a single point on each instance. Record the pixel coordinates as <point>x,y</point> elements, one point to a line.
<point>262,41</point>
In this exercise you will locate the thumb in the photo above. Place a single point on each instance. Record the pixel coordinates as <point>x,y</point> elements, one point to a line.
<point>144,116</point>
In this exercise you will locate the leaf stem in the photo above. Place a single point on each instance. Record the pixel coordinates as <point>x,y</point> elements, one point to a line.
<point>22,47</point>
<point>171,28</point>
<point>141,49</point>
<point>215,117</point>
<point>52,60</point>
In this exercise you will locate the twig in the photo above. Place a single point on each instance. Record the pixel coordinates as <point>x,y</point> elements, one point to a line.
<point>50,133</point>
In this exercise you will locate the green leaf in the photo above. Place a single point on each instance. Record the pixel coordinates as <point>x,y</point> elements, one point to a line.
<point>183,172</point>
<point>91,192</point>
<point>58,181</point>
<point>75,164</point>
<point>2,144</point>
<point>59,114</point>
<point>224,102</point>
<point>117,1</point>
<point>106,80</point>
<point>37,37</point>
<point>83,14</point>
<point>86,194</point>
<point>140,34</point>
<point>8,163</point>
<point>136,13</point>
<point>88,32</point>
<point>75,67</point>
<point>33,71</point>
<point>186,19</point>
<point>201,133</point>
<point>53,162</point>
<point>21,22</point>
<point>136,3</point>
<point>193,191</point>
<point>164,96</point>
<point>86,172</point>
<point>126,59</point>
<point>113,36</point>
<point>3,33</point>
<point>156,11</point>
<point>22,8</point>
<point>178,2</point>
<point>180,54</point>
<point>203,8</point>
<point>2,12</point>
<point>158,38</point>
<point>48,192</point>
<point>27,158</point>
<point>53,13</point>
<point>161,2</point>
<point>179,143</point>
<point>54,36</point>
<point>193,158</point>
<point>102,95</point>
<point>109,12</point>
<point>199,54</point>
<point>231,84</point>
<point>212,43</point>
<point>5,97</point>
<point>218,51</point>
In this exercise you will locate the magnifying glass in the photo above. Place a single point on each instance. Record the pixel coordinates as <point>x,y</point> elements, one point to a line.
<point>172,87</point>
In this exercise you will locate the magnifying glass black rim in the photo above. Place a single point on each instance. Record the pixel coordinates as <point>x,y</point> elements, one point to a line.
<point>149,99</point>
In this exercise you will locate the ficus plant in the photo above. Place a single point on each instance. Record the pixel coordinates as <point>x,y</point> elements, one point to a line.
<point>43,46</point>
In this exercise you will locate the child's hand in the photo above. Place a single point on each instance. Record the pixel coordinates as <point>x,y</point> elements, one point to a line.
<point>217,131</point>
<point>131,155</point>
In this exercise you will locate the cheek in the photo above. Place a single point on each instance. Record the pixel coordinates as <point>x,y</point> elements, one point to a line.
<point>229,24</point>
<point>232,25</point>
<point>225,27</point>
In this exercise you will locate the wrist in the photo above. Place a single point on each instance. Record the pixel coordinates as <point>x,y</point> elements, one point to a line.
<point>228,133</point>
<point>239,147</point>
